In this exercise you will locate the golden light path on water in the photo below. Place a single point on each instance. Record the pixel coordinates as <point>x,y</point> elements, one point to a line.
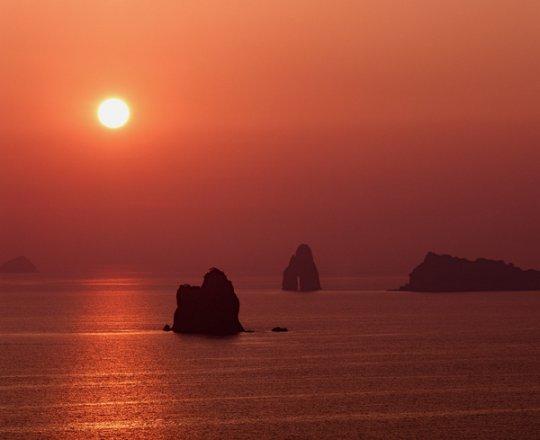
<point>87,357</point>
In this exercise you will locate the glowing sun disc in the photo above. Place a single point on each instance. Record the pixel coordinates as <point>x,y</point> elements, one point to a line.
<point>113,113</point>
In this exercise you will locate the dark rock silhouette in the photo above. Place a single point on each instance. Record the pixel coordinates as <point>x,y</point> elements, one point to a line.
<point>290,276</point>
<point>444,273</point>
<point>209,309</point>
<point>301,273</point>
<point>167,328</point>
<point>280,329</point>
<point>18,265</point>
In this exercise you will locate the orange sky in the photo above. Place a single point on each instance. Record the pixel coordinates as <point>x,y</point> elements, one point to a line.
<point>374,130</point>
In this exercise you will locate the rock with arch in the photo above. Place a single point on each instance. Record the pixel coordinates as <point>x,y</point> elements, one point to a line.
<point>301,274</point>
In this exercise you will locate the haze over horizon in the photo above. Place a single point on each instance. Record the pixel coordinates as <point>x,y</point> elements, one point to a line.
<point>373,131</point>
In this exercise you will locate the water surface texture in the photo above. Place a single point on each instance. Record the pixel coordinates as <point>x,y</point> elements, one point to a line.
<point>86,358</point>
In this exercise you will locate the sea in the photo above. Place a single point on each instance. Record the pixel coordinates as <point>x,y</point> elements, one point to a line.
<point>86,358</point>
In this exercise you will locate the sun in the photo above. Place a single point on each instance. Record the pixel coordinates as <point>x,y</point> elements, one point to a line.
<point>113,113</point>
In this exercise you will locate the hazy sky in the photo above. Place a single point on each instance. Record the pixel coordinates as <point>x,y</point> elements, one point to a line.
<point>374,130</point>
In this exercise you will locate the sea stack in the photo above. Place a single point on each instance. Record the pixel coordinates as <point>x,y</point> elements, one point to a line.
<point>301,273</point>
<point>18,265</point>
<point>444,273</point>
<point>208,309</point>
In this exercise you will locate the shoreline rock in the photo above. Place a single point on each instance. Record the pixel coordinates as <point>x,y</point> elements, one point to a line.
<point>18,265</point>
<point>444,273</point>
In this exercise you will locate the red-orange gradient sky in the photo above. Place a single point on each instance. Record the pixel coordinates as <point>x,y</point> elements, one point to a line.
<point>374,130</point>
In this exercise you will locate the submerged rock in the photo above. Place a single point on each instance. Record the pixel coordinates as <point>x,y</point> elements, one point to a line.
<point>301,273</point>
<point>444,273</point>
<point>18,265</point>
<point>280,329</point>
<point>209,309</point>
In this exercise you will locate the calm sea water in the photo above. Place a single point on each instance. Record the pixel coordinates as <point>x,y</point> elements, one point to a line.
<point>86,358</point>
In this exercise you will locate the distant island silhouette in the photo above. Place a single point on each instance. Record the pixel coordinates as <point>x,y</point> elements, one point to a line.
<point>444,273</point>
<point>301,273</point>
<point>18,265</point>
<point>210,309</point>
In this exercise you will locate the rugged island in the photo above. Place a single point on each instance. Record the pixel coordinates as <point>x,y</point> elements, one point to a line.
<point>444,273</point>
<point>208,309</point>
<point>301,273</point>
<point>18,265</point>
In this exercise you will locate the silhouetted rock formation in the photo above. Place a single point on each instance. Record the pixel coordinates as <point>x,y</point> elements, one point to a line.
<point>301,273</point>
<point>444,273</point>
<point>210,309</point>
<point>18,265</point>
<point>290,276</point>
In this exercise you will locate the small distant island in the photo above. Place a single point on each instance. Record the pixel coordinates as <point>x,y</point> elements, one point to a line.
<point>211,308</point>
<point>301,273</point>
<point>444,273</point>
<point>18,265</point>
